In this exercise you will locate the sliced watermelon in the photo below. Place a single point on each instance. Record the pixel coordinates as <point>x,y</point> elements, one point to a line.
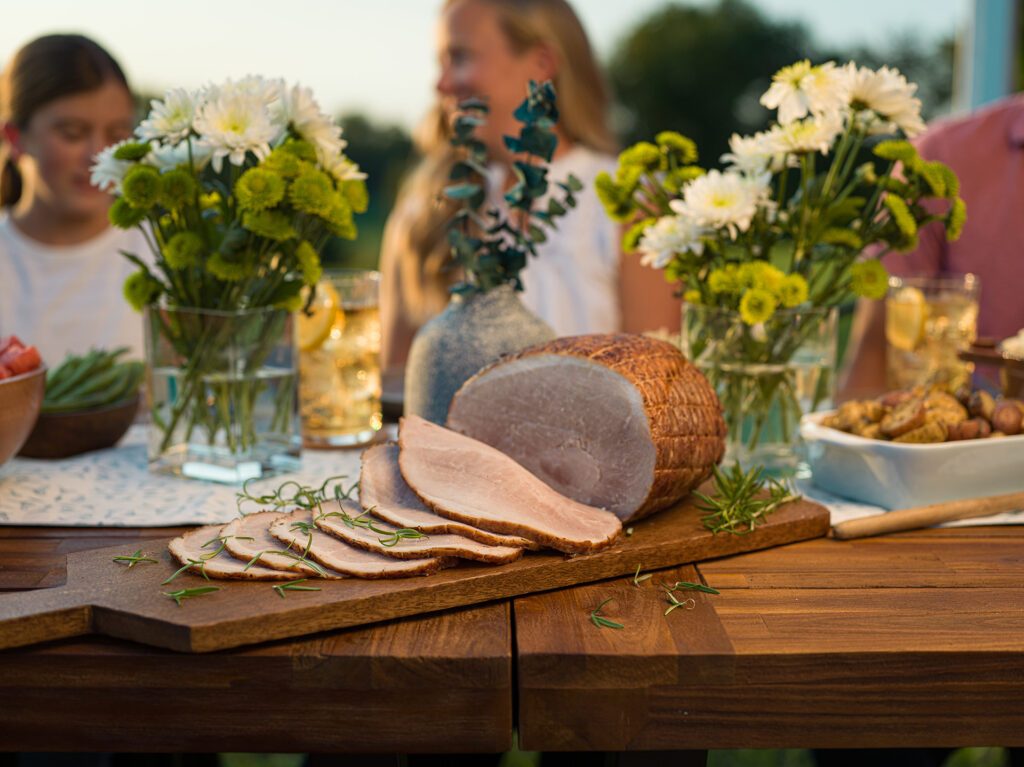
<point>4,372</point>
<point>6,341</point>
<point>26,360</point>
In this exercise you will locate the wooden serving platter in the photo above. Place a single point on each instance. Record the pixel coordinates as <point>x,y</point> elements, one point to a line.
<point>104,597</point>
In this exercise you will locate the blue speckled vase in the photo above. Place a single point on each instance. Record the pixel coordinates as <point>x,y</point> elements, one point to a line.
<point>471,332</point>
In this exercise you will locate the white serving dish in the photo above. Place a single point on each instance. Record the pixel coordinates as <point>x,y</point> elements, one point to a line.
<point>899,476</point>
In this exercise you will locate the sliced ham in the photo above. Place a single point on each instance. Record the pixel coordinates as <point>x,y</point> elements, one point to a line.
<point>249,537</point>
<point>464,479</point>
<point>189,548</point>
<point>382,489</point>
<point>348,521</point>
<point>621,422</point>
<point>298,531</point>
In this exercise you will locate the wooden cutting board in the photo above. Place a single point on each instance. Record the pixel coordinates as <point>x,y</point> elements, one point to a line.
<point>104,597</point>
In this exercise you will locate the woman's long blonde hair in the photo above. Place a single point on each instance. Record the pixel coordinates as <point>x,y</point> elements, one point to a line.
<point>415,241</point>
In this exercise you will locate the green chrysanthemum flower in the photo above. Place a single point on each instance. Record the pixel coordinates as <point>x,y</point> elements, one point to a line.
<point>124,215</point>
<point>132,151</point>
<point>793,290</point>
<point>228,269</point>
<point>312,192</point>
<point>956,220</point>
<point>611,196</point>
<point>725,280</point>
<point>692,296</point>
<point>931,172</point>
<point>309,263</point>
<point>643,155</point>
<point>183,249</point>
<point>844,237</point>
<point>631,239</point>
<point>869,278</point>
<point>896,151</point>
<point>259,189</point>
<point>896,186</point>
<point>177,188</point>
<point>356,194</point>
<point>300,148</point>
<point>901,216</point>
<point>757,305</point>
<point>339,218</point>
<point>210,200</point>
<point>761,275</point>
<point>684,149</point>
<point>284,163</point>
<point>949,182</point>
<point>272,224</point>
<point>142,186</point>
<point>141,289</point>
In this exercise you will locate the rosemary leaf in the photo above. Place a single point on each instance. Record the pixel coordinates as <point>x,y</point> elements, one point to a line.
<point>739,504</point>
<point>688,585</point>
<point>177,596</point>
<point>133,559</point>
<point>600,621</point>
<point>637,577</point>
<point>280,588</point>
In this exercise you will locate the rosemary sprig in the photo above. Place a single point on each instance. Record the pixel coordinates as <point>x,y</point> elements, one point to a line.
<point>599,620</point>
<point>689,604</point>
<point>637,577</point>
<point>400,534</point>
<point>738,505</point>
<point>688,585</point>
<point>303,496</point>
<point>133,559</point>
<point>177,596</point>
<point>200,563</point>
<point>389,539</point>
<point>280,588</point>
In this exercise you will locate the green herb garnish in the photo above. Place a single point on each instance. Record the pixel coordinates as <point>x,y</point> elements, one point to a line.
<point>689,604</point>
<point>637,577</point>
<point>200,563</point>
<point>280,588</point>
<point>133,559</point>
<point>599,620</point>
<point>688,585</point>
<point>303,496</point>
<point>177,596</point>
<point>738,505</point>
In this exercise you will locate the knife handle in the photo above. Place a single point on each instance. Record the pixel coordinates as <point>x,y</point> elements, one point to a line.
<point>925,516</point>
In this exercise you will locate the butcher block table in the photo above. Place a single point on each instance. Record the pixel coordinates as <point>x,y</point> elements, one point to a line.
<point>911,639</point>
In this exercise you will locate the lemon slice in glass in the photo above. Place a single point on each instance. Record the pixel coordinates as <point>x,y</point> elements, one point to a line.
<point>313,329</point>
<point>906,312</point>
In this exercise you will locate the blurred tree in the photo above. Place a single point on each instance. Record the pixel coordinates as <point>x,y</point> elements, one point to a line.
<point>384,153</point>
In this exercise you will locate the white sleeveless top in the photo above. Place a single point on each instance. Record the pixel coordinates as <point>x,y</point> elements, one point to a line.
<point>573,283</point>
<point>67,298</point>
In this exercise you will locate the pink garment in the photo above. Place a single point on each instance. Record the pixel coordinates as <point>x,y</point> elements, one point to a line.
<point>986,151</point>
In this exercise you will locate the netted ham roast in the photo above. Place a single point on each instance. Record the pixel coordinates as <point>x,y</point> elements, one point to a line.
<point>621,422</point>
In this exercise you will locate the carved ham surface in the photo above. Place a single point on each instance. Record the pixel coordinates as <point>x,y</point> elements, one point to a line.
<point>349,522</point>
<point>301,534</point>
<point>467,480</point>
<point>621,422</point>
<point>271,552</point>
<point>383,489</point>
<point>189,548</point>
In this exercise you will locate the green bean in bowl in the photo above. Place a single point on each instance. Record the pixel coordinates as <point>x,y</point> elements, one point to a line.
<point>90,381</point>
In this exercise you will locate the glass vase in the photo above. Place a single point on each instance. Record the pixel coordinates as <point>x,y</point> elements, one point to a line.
<point>767,375</point>
<point>221,390</point>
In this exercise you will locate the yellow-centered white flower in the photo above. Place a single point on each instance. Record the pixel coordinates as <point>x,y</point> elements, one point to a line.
<point>167,156</point>
<point>801,89</point>
<point>107,173</point>
<point>882,99</point>
<point>668,236</point>
<point>812,134</point>
<point>748,154</point>
<point>235,123</point>
<point>170,120</point>
<point>298,108</point>
<point>342,168</point>
<point>727,200</point>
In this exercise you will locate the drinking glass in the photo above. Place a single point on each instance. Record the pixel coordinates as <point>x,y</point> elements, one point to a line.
<point>339,361</point>
<point>927,321</point>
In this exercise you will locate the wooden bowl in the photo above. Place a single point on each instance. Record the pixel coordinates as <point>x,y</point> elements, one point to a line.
<point>62,435</point>
<point>20,398</point>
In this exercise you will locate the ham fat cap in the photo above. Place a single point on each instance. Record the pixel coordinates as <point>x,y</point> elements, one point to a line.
<point>467,480</point>
<point>622,422</point>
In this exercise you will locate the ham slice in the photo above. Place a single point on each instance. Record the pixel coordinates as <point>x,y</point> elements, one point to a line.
<point>271,552</point>
<point>348,522</point>
<point>298,531</point>
<point>190,548</point>
<point>621,422</point>
<point>383,490</point>
<point>463,479</point>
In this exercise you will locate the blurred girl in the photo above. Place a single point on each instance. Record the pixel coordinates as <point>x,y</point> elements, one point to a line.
<point>63,98</point>
<point>577,284</point>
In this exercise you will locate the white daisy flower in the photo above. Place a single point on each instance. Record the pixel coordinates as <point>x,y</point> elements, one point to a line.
<point>724,200</point>
<point>800,89</point>
<point>234,124</point>
<point>748,154</point>
<point>267,91</point>
<point>888,95</point>
<point>342,168</point>
<point>167,156</point>
<point>299,109</point>
<point>107,173</point>
<point>668,236</point>
<point>171,119</point>
<point>812,134</point>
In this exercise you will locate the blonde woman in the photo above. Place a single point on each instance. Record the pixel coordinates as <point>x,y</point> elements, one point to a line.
<point>578,283</point>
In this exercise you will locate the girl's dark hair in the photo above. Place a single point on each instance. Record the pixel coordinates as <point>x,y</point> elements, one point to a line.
<point>44,70</point>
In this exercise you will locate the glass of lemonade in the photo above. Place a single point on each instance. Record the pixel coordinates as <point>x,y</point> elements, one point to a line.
<point>339,361</point>
<point>927,321</point>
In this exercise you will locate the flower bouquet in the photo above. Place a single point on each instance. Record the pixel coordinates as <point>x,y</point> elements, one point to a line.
<point>767,248</point>
<point>237,188</point>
